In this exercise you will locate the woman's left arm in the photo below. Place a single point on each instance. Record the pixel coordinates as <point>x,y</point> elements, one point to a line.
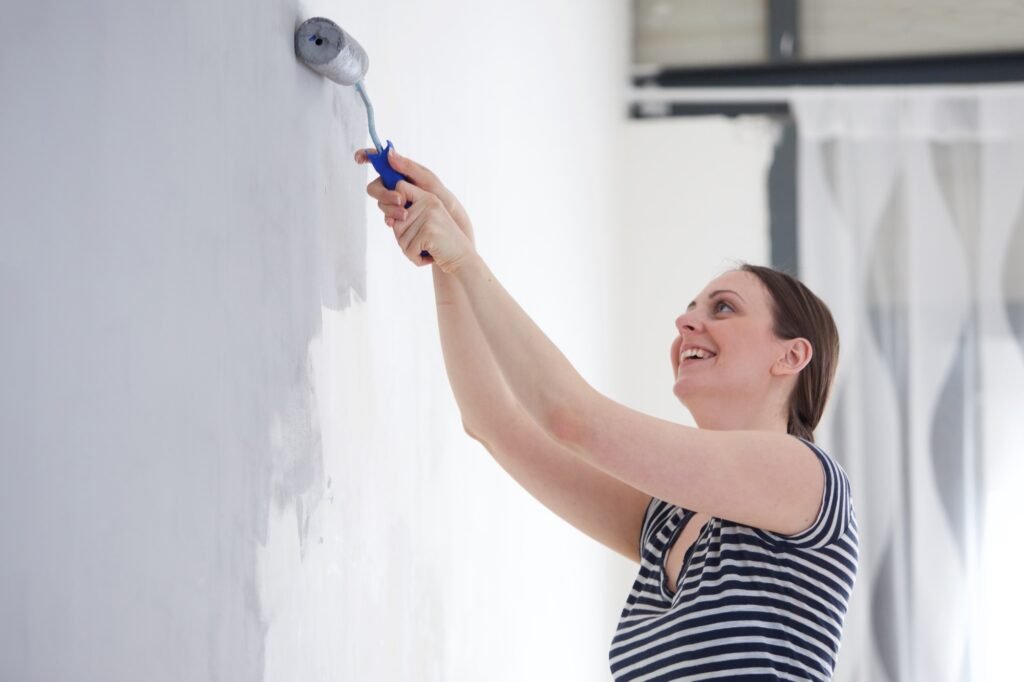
<point>758,478</point>
<point>762,479</point>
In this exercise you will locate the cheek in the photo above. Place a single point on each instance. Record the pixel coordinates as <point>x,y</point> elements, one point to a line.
<point>761,361</point>
<point>751,359</point>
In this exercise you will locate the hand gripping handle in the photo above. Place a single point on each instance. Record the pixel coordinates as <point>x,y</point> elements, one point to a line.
<point>389,176</point>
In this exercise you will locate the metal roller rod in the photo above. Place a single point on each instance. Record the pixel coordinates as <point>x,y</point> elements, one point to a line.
<point>360,88</point>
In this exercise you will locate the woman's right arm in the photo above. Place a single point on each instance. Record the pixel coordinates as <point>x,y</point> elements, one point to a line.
<point>594,502</point>
<point>600,505</point>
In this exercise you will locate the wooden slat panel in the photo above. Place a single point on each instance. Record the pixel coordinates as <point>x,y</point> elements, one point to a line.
<point>841,29</point>
<point>698,32</point>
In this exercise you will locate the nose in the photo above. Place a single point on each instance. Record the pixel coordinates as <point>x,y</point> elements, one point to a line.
<point>688,322</point>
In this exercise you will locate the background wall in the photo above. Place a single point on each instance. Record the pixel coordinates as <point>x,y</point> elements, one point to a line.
<point>695,204</point>
<point>229,447</point>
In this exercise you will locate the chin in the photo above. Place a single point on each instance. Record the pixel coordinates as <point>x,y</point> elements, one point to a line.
<point>681,390</point>
<point>690,394</point>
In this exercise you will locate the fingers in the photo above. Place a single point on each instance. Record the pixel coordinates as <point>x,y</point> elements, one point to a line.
<point>414,171</point>
<point>393,213</point>
<point>407,231</point>
<point>412,213</point>
<point>403,209</point>
<point>406,167</point>
<point>411,191</point>
<point>383,195</point>
<point>419,176</point>
<point>414,206</point>
<point>361,155</point>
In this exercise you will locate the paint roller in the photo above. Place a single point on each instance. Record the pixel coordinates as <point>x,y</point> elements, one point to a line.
<point>323,46</point>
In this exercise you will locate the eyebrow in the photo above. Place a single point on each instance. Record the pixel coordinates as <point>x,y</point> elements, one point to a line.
<point>693,304</point>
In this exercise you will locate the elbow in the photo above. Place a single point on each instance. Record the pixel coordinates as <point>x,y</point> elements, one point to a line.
<point>476,436</point>
<point>469,431</point>
<point>577,423</point>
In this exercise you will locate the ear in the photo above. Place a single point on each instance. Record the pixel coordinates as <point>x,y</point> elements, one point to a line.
<point>796,354</point>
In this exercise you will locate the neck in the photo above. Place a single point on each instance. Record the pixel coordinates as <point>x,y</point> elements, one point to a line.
<point>732,415</point>
<point>720,422</point>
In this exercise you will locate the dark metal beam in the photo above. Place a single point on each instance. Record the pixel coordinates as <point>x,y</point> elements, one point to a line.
<point>655,109</point>
<point>783,31</point>
<point>782,201</point>
<point>959,69</point>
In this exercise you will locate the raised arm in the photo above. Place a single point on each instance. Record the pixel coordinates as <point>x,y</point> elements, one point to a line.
<point>597,504</point>
<point>764,479</point>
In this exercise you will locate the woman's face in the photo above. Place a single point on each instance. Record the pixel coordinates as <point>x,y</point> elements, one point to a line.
<point>726,345</point>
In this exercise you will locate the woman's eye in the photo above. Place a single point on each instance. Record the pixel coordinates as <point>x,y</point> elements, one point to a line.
<point>722,305</point>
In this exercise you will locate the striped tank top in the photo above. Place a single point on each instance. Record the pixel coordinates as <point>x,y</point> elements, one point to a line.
<point>749,604</point>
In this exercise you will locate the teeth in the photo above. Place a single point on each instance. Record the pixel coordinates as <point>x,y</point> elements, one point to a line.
<point>695,353</point>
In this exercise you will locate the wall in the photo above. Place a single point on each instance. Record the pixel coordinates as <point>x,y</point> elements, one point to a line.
<point>695,205</point>
<point>229,448</point>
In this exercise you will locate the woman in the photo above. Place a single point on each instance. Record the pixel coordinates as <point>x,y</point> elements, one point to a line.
<point>743,528</point>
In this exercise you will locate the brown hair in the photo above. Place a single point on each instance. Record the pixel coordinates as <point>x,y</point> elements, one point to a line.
<point>798,313</point>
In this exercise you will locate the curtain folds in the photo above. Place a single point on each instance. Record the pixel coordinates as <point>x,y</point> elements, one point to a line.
<point>911,213</point>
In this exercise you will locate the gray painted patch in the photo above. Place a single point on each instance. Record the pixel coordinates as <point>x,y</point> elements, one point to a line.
<point>169,237</point>
<point>884,617</point>
<point>957,166</point>
<point>830,164</point>
<point>339,245</point>
<point>887,299</point>
<point>838,409</point>
<point>948,446</point>
<point>298,472</point>
<point>1013,278</point>
<point>887,294</point>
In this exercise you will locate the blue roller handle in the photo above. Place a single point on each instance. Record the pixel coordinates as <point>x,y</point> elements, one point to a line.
<point>389,176</point>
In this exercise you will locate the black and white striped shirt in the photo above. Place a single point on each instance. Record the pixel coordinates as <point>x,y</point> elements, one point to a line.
<point>749,605</point>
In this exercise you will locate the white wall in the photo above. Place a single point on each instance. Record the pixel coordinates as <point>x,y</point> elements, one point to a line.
<point>695,205</point>
<point>229,448</point>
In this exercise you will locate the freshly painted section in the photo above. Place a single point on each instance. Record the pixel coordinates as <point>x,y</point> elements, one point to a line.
<point>229,449</point>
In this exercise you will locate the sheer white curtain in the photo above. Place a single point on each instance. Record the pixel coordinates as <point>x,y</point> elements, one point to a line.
<point>912,230</point>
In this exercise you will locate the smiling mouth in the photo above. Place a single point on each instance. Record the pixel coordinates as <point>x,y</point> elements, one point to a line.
<point>695,355</point>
